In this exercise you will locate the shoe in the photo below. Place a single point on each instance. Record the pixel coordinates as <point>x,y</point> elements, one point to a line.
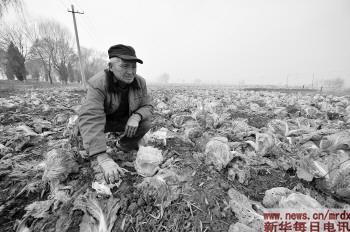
<point>123,148</point>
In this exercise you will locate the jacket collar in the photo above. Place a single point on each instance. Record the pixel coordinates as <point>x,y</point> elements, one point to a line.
<point>134,84</point>
<point>111,78</point>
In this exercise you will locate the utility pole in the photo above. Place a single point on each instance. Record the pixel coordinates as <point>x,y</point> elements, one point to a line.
<point>78,44</point>
<point>313,77</point>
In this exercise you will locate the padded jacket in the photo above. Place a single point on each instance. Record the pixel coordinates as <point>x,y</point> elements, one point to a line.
<point>103,99</point>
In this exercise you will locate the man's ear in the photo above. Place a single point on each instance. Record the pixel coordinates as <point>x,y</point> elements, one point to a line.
<point>109,65</point>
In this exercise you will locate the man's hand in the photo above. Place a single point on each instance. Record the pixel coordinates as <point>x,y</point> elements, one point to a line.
<point>110,169</point>
<point>132,125</point>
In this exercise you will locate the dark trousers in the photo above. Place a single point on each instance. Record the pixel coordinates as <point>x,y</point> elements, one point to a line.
<point>119,126</point>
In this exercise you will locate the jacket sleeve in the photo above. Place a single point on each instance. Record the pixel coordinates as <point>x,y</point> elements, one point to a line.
<point>92,120</point>
<point>146,107</point>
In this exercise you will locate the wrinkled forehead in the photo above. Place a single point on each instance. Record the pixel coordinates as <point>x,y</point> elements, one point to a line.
<point>117,59</point>
<point>114,59</point>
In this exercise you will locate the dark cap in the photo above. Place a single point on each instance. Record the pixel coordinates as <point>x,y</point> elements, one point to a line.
<point>123,52</point>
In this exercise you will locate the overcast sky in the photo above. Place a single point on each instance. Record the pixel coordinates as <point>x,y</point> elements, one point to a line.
<point>221,41</point>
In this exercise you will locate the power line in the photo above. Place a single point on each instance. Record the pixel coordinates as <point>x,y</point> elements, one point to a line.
<point>88,32</point>
<point>62,4</point>
<point>89,22</point>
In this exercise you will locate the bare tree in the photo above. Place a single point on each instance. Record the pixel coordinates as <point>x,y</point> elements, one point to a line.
<point>34,68</point>
<point>93,61</point>
<point>52,44</point>
<point>15,33</point>
<point>5,4</point>
<point>39,50</point>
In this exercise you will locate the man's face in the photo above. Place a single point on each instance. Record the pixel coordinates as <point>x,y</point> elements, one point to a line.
<point>125,71</point>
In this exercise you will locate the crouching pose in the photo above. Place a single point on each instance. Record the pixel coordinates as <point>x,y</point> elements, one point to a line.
<point>117,101</point>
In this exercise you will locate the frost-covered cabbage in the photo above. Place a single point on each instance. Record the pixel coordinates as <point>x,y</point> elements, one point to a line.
<point>263,142</point>
<point>148,160</point>
<point>242,207</point>
<point>59,163</point>
<point>339,174</point>
<point>240,227</point>
<point>239,170</point>
<point>61,119</point>
<point>240,125</point>
<point>40,124</point>
<point>273,196</point>
<point>299,201</point>
<point>217,152</point>
<point>281,197</point>
<point>98,217</point>
<point>336,141</point>
<point>277,126</point>
<point>160,135</point>
<point>179,120</point>
<point>311,111</point>
<point>163,187</point>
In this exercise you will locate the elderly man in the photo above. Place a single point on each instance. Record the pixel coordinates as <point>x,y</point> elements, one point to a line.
<point>117,101</point>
